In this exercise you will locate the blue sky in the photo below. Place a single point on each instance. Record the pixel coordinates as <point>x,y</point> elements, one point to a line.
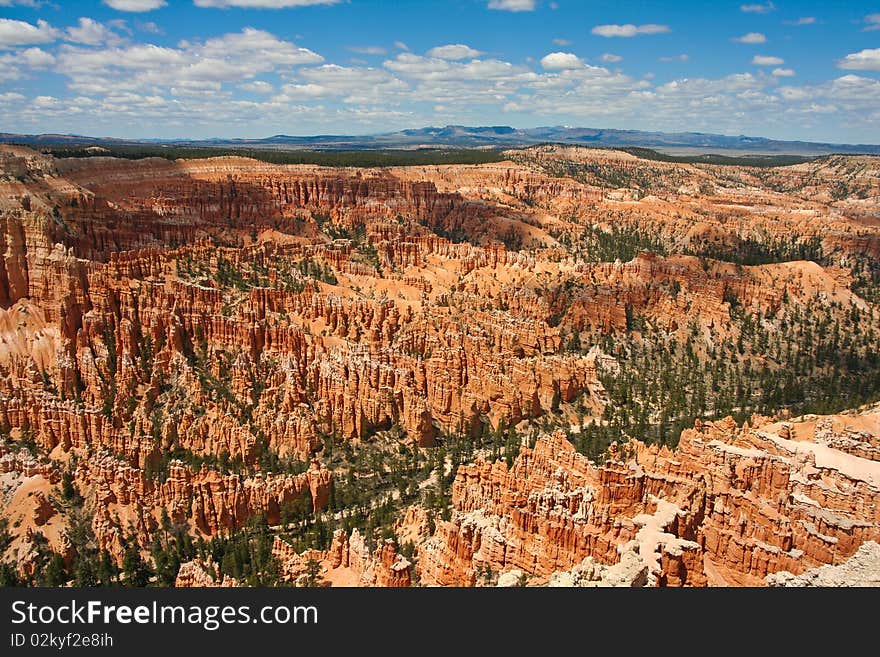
<point>252,68</point>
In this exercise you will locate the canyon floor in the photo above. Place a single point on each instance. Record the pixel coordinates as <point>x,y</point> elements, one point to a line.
<point>573,367</point>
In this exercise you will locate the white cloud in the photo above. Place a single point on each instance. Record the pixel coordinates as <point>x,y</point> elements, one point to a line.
<point>45,101</point>
<point>257,87</point>
<point>454,51</point>
<point>561,42</point>
<point>410,64</point>
<point>803,20</point>
<point>400,45</point>
<point>872,23</point>
<point>230,58</point>
<point>629,30</point>
<point>795,93</point>
<point>758,8</point>
<point>13,65</point>
<point>561,61</point>
<point>37,58</point>
<point>851,87</point>
<point>783,72</point>
<point>19,33</point>
<point>752,37</point>
<point>368,50</point>
<point>91,33</point>
<point>78,61</point>
<point>767,60</point>
<point>8,70</point>
<point>695,88</point>
<point>135,5</point>
<point>263,48</point>
<point>512,5</point>
<point>611,58</point>
<point>864,60</point>
<point>590,91</point>
<point>352,85</point>
<point>484,71</point>
<point>300,92</point>
<point>261,4</point>
<point>854,95</point>
<point>675,58</point>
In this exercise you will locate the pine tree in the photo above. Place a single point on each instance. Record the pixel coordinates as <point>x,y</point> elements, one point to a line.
<point>135,570</point>
<point>314,575</point>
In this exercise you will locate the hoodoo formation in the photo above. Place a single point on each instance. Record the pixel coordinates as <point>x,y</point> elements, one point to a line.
<point>573,367</point>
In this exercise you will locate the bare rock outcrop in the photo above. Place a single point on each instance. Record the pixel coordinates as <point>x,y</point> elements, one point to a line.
<point>348,562</point>
<point>729,506</point>
<point>201,574</point>
<point>861,569</point>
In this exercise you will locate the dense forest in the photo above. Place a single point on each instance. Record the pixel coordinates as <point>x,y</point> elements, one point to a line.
<point>356,158</point>
<point>383,157</point>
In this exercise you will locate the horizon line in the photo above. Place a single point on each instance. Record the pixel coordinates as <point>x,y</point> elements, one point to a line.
<point>429,127</point>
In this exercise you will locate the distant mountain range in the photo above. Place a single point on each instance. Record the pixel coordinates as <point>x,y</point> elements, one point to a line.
<point>490,137</point>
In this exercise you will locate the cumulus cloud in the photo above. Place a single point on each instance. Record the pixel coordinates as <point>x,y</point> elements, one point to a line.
<point>752,37</point>
<point>300,92</point>
<point>561,61</point>
<point>454,51</point>
<point>854,96</point>
<point>767,60</point>
<point>434,69</point>
<point>351,85</point>
<point>610,58</point>
<point>16,65</point>
<point>783,72</point>
<point>512,5</point>
<point>758,8</point>
<point>236,57</point>
<point>255,45</point>
<point>19,33</point>
<point>261,4</point>
<point>629,30</point>
<point>849,88</point>
<point>257,87</point>
<point>78,62</point>
<point>11,97</point>
<point>736,83</point>
<point>864,60</point>
<point>135,5</point>
<point>411,64</point>
<point>91,33</point>
<point>37,58</point>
